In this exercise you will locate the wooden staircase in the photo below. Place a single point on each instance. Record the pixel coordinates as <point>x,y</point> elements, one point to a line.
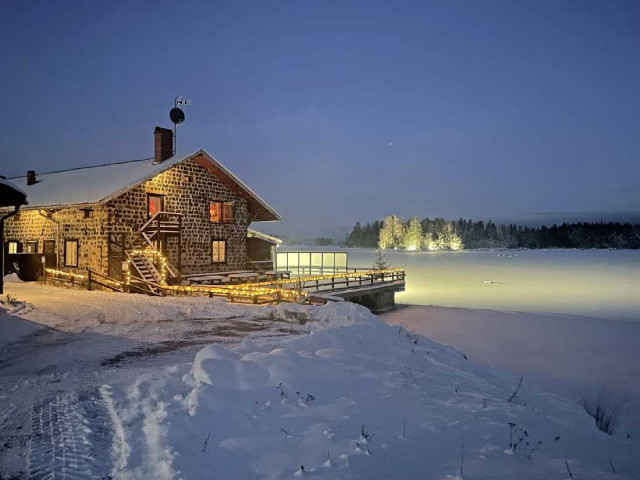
<point>146,270</point>
<point>161,222</point>
<point>167,223</point>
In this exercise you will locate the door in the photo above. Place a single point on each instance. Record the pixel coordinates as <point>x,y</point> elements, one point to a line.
<point>49,250</point>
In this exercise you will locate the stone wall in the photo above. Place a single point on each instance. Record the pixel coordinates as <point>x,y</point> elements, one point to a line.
<point>188,189</point>
<point>88,229</point>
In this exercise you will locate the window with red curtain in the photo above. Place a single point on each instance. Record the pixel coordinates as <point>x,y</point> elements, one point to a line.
<point>215,212</point>
<point>154,204</point>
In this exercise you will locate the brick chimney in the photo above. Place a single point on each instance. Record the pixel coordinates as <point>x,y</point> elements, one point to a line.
<point>163,144</point>
<point>31,177</point>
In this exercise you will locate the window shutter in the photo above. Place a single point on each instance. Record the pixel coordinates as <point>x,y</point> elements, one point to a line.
<point>228,212</point>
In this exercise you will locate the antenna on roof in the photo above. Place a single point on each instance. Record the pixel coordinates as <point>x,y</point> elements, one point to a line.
<point>177,116</point>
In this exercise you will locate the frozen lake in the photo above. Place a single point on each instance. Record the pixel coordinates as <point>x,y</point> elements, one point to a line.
<point>596,283</point>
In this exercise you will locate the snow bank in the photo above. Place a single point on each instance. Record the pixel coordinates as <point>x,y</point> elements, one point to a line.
<point>356,398</point>
<point>12,278</point>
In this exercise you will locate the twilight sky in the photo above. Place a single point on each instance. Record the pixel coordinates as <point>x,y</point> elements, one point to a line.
<point>341,111</point>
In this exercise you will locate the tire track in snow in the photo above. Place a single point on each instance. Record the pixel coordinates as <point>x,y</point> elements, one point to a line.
<point>14,436</point>
<point>70,438</point>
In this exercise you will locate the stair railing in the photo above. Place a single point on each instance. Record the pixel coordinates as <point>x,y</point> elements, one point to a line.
<point>154,225</point>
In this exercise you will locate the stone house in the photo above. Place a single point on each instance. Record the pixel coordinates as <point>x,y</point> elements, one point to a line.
<point>189,209</point>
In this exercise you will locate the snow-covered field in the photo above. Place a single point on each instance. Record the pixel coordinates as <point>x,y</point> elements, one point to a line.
<point>322,392</point>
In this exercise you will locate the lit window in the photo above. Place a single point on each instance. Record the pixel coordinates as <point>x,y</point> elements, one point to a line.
<point>218,251</point>
<point>154,204</point>
<point>227,212</point>
<point>32,247</point>
<point>12,247</point>
<point>70,253</point>
<point>215,212</point>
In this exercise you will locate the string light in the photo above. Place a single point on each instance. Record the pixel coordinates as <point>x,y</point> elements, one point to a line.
<point>127,273</point>
<point>62,273</point>
<point>157,258</point>
<point>266,289</point>
<point>269,291</point>
<point>113,283</point>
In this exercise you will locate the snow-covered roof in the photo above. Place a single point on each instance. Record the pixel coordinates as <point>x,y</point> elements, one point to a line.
<point>101,183</point>
<point>11,194</point>
<point>263,236</point>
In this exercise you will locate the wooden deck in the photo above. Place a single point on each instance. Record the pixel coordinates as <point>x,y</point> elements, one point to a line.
<point>372,288</point>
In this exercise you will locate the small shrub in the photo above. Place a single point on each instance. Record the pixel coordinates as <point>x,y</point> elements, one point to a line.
<point>9,300</point>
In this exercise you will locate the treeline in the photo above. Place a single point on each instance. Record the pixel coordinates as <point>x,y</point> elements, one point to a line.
<point>366,236</point>
<point>440,234</point>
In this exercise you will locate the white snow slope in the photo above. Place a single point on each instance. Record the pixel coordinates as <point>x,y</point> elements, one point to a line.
<point>352,398</point>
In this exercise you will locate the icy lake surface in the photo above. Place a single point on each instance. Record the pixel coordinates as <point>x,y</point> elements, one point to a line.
<point>597,283</point>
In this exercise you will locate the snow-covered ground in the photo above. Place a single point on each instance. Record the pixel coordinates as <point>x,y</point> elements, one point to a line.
<point>59,347</point>
<point>322,392</point>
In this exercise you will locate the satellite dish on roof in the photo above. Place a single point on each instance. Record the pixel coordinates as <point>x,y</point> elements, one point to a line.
<point>176,115</point>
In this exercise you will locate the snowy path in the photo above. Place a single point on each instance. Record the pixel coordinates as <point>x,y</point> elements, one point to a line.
<point>64,354</point>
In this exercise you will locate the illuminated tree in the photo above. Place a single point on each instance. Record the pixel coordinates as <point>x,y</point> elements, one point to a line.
<point>381,261</point>
<point>449,239</point>
<point>413,235</point>
<point>399,231</point>
<point>385,237</point>
<point>391,233</point>
<point>455,242</point>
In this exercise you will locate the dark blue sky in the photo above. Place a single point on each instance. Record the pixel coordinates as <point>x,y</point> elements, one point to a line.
<point>341,111</point>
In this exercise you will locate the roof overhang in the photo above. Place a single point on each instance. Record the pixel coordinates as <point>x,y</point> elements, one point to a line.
<point>263,236</point>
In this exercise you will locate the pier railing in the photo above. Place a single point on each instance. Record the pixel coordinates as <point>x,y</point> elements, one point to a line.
<point>295,289</point>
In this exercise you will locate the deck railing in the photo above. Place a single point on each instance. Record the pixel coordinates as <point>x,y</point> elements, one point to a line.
<point>259,265</point>
<point>296,289</point>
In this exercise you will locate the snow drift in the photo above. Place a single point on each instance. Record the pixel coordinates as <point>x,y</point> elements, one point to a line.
<point>351,398</point>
